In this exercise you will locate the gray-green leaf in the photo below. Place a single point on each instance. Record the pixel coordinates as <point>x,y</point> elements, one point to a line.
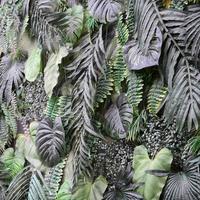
<point>51,71</point>
<point>153,185</point>
<point>33,65</point>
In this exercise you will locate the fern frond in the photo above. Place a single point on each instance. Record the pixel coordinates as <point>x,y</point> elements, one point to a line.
<point>135,89</point>
<point>52,108</point>
<point>13,162</point>
<point>53,179</point>
<point>122,31</point>
<point>10,118</point>
<point>9,28</point>
<point>19,186</point>
<point>131,19</point>
<point>36,190</point>
<point>119,69</point>
<point>4,133</point>
<point>104,86</point>
<point>64,111</point>
<point>156,96</point>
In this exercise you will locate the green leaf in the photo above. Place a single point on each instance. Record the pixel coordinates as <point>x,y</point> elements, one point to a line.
<point>153,185</point>
<point>91,191</point>
<point>64,192</point>
<point>26,144</point>
<point>74,27</point>
<point>51,71</point>
<point>13,161</point>
<point>33,65</point>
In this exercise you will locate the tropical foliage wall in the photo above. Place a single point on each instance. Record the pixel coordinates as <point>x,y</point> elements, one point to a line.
<point>99,99</point>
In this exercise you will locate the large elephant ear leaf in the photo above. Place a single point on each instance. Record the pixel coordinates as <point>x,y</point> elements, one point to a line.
<point>50,141</point>
<point>142,163</point>
<point>11,76</point>
<point>137,59</point>
<point>184,184</point>
<point>105,10</point>
<point>119,116</point>
<point>91,190</point>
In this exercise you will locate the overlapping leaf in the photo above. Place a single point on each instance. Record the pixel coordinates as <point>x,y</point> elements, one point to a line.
<point>105,10</point>
<point>11,76</point>
<point>119,116</point>
<point>184,184</point>
<point>183,100</point>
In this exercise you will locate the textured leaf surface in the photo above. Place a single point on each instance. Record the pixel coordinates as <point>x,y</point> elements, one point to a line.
<point>105,10</point>
<point>184,184</point>
<point>142,163</point>
<point>50,141</point>
<point>11,76</point>
<point>19,186</point>
<point>137,59</point>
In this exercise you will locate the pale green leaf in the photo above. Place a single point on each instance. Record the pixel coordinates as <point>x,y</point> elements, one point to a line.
<point>51,71</point>
<point>153,185</point>
<point>13,161</point>
<point>27,146</point>
<point>91,191</point>
<point>33,65</point>
<point>65,192</point>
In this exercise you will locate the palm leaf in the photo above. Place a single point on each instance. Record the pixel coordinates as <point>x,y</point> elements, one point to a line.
<point>36,190</point>
<point>11,77</point>
<point>19,186</point>
<point>183,100</point>
<point>119,116</point>
<point>183,185</point>
<point>89,58</point>
<point>191,32</point>
<point>50,141</point>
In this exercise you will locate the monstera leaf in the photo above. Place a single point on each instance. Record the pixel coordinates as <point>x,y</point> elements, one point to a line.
<point>137,59</point>
<point>50,141</point>
<point>91,190</point>
<point>183,185</point>
<point>153,185</point>
<point>11,76</point>
<point>105,10</point>
<point>119,116</point>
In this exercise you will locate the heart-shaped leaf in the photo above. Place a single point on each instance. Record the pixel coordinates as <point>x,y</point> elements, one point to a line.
<point>50,141</point>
